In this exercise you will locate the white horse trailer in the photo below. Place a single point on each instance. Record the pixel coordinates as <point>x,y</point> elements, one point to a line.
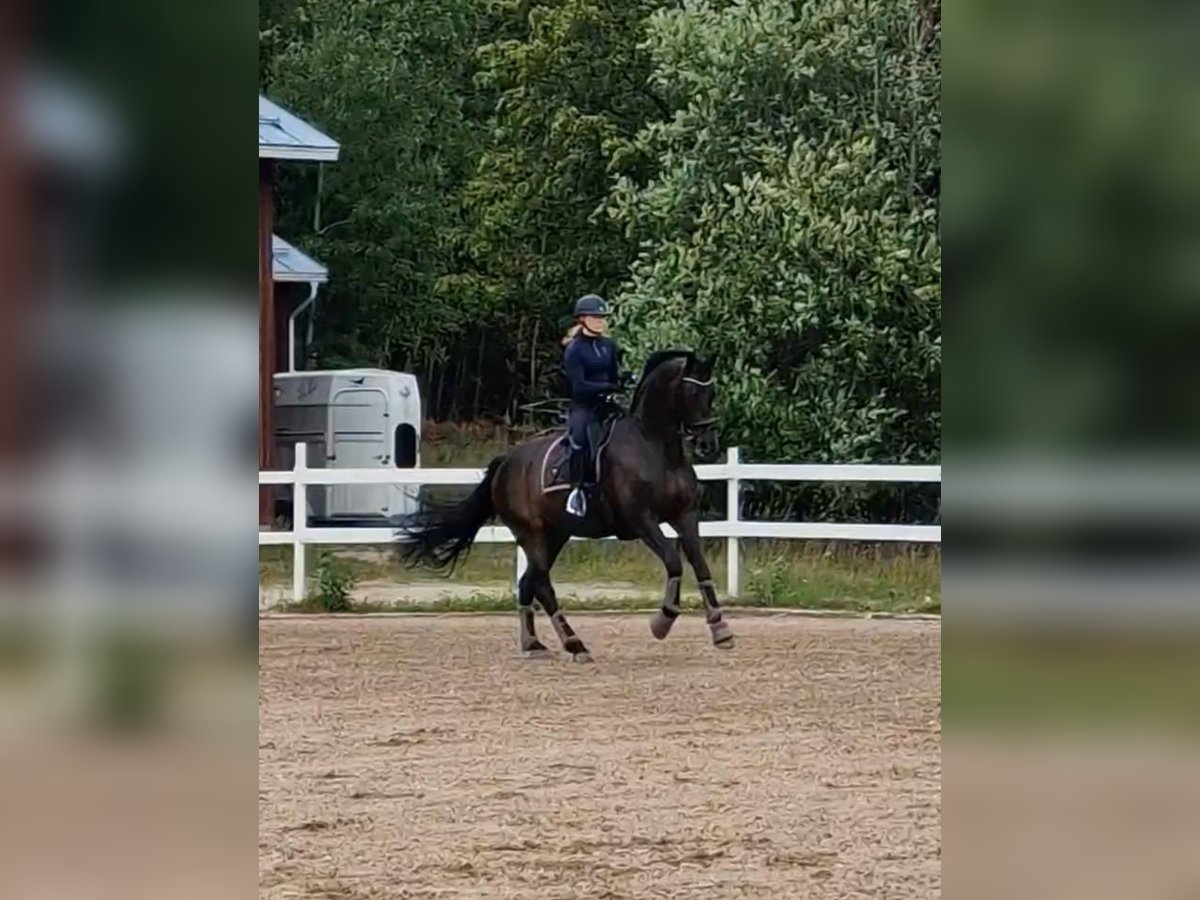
<point>351,419</point>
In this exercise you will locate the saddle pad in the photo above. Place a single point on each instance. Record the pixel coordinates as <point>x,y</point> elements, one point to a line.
<point>555,474</point>
<point>556,469</point>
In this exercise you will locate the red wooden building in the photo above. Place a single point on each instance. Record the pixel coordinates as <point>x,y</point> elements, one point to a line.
<point>282,137</point>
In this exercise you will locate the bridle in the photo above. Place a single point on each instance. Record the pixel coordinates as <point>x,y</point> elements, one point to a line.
<point>690,428</point>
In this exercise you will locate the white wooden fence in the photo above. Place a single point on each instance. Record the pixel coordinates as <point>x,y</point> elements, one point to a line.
<point>733,472</point>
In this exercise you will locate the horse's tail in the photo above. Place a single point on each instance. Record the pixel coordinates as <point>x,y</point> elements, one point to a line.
<point>437,537</point>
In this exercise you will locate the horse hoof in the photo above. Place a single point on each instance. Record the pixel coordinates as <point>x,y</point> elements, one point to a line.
<point>660,626</point>
<point>537,653</point>
<point>722,636</point>
<point>583,657</point>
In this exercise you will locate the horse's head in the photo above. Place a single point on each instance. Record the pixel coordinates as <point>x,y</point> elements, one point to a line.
<point>675,394</point>
<point>696,404</point>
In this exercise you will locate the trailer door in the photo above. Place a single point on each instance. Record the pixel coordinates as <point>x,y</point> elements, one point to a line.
<point>358,437</point>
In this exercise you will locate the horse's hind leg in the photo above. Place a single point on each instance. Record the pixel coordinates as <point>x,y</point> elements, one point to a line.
<point>527,640</point>
<point>570,640</point>
<point>535,552</point>
<point>689,537</point>
<point>541,550</point>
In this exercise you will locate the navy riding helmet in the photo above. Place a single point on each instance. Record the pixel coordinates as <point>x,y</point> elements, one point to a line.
<point>590,305</point>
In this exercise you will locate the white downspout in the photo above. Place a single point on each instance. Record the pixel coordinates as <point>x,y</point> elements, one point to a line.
<point>313,286</point>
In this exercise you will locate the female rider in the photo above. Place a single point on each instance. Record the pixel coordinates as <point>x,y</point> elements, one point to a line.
<point>591,362</point>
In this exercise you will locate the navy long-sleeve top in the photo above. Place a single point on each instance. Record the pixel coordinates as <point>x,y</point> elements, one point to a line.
<point>591,365</point>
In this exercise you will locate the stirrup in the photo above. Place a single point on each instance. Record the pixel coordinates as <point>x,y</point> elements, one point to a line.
<point>577,502</point>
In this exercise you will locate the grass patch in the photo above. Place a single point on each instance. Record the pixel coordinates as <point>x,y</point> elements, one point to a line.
<point>314,604</point>
<point>784,574</point>
<point>467,444</point>
<point>1068,680</point>
<point>851,577</point>
<point>488,564</point>
<point>477,602</point>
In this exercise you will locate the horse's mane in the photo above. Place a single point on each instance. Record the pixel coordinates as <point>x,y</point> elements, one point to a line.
<point>656,359</point>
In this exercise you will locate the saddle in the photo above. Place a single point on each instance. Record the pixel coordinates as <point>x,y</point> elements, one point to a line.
<point>556,469</point>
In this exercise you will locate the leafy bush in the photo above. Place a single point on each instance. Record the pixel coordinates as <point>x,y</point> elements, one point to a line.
<point>792,229</point>
<point>335,581</point>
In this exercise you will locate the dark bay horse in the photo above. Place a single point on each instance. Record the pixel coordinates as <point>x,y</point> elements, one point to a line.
<point>646,480</point>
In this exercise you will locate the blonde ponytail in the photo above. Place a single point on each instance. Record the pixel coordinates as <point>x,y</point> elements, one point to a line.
<point>572,333</point>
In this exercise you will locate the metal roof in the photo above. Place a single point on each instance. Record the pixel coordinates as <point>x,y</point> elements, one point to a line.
<point>68,126</point>
<point>282,135</point>
<point>289,264</point>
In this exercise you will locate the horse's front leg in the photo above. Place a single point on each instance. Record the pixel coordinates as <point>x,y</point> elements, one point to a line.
<point>651,534</point>
<point>688,527</point>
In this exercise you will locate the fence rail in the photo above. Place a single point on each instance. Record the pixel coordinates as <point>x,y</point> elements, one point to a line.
<point>733,472</point>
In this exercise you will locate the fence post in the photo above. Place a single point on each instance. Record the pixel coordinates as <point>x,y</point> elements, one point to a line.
<point>734,504</point>
<point>522,565</point>
<point>299,521</point>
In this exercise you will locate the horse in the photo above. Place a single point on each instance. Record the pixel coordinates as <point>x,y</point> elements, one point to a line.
<point>645,480</point>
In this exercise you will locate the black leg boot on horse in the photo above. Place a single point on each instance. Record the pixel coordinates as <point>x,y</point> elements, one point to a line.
<point>688,528</point>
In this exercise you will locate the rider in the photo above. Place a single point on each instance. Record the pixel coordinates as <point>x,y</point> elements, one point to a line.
<point>591,363</point>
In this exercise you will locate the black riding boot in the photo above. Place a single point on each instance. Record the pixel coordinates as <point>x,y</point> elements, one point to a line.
<point>577,500</point>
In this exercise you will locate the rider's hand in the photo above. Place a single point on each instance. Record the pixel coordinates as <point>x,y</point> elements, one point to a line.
<point>628,380</point>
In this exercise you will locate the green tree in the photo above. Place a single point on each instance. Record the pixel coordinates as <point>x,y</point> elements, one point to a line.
<point>392,81</point>
<point>569,85</point>
<point>791,225</point>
